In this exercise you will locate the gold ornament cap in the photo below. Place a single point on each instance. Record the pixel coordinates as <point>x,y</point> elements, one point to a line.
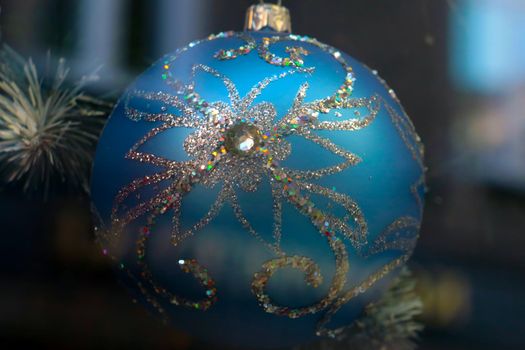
<point>273,16</point>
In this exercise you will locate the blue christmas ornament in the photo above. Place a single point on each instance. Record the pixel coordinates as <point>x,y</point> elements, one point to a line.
<point>259,188</point>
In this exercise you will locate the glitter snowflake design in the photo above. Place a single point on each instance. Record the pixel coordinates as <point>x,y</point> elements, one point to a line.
<point>235,146</point>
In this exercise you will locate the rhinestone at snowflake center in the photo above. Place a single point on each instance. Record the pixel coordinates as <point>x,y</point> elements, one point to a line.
<point>242,139</point>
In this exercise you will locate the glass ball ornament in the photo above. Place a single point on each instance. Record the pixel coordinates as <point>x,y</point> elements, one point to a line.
<point>258,188</point>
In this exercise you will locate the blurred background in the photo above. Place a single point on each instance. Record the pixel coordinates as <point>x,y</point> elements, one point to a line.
<point>458,66</point>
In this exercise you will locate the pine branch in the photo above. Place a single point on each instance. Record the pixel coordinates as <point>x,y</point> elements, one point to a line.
<point>48,130</point>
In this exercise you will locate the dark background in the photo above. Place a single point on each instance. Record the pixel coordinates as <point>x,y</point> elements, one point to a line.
<point>458,66</point>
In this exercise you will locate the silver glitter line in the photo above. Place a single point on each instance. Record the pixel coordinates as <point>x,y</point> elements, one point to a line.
<point>187,118</point>
<point>322,329</point>
<point>237,210</point>
<point>178,236</point>
<point>330,146</point>
<point>353,124</point>
<point>118,224</point>
<point>358,237</point>
<point>233,93</point>
<point>415,193</point>
<point>137,184</point>
<point>408,135</point>
<point>259,87</point>
<point>153,159</point>
<point>277,207</point>
<point>391,239</point>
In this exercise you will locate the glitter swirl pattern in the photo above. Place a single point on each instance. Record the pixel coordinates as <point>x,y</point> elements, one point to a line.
<point>241,135</point>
